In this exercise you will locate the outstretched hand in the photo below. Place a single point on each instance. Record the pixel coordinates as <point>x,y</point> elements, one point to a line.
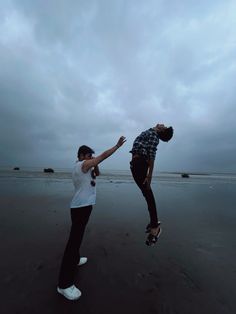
<point>121,141</point>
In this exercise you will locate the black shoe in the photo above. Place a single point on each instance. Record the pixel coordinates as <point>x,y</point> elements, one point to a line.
<point>148,228</point>
<point>152,239</point>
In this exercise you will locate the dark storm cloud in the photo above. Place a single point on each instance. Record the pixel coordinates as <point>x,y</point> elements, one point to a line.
<point>85,72</point>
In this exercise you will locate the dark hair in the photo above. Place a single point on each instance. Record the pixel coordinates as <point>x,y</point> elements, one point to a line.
<point>84,150</point>
<point>166,134</point>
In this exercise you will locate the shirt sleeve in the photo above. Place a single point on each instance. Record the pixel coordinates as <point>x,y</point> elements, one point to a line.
<point>152,146</point>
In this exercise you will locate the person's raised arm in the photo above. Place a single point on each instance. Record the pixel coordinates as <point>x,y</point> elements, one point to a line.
<point>87,164</point>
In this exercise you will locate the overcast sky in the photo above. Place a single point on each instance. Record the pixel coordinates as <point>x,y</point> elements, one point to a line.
<point>85,72</point>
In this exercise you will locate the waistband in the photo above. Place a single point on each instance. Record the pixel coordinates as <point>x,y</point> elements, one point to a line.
<point>136,156</point>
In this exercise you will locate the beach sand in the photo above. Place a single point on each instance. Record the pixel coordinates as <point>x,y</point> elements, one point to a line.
<point>191,269</point>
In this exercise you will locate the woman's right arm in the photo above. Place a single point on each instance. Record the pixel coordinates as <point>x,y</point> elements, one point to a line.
<point>87,164</point>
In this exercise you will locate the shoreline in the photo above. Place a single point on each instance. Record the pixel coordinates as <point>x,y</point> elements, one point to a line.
<point>120,175</point>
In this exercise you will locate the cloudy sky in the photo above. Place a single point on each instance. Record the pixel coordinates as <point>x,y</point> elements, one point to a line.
<point>76,72</point>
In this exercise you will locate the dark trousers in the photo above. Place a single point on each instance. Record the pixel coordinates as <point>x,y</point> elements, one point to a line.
<point>71,257</point>
<point>139,167</point>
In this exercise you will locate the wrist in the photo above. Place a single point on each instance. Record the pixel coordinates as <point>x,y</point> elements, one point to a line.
<point>117,146</point>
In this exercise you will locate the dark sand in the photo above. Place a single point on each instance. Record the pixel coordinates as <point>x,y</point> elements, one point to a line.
<point>191,270</point>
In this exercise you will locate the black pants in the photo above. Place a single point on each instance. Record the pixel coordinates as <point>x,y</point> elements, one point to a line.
<point>71,257</point>
<point>139,167</point>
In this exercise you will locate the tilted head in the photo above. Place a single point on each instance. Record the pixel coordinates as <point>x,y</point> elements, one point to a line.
<point>165,133</point>
<point>85,152</point>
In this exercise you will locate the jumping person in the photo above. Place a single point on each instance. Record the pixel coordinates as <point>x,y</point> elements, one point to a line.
<point>142,163</point>
<point>83,175</point>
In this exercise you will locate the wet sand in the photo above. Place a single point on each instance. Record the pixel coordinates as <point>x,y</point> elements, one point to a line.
<point>191,269</point>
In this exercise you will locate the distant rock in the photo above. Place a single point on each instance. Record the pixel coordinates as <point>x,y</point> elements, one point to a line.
<point>48,170</point>
<point>16,168</point>
<point>185,175</point>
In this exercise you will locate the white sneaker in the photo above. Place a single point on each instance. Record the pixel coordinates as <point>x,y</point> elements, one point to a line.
<point>71,293</point>
<point>82,261</point>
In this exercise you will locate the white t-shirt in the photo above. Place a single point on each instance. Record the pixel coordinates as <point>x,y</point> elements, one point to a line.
<point>85,193</point>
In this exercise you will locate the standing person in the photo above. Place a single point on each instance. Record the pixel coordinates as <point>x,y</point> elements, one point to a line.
<point>83,175</point>
<point>142,163</point>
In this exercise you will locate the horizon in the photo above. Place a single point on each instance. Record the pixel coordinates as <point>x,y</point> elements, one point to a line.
<point>69,169</point>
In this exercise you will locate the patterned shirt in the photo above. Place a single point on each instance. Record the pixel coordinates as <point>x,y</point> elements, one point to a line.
<point>146,144</point>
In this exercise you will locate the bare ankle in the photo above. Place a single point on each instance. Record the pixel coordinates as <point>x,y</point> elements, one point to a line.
<point>154,231</point>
